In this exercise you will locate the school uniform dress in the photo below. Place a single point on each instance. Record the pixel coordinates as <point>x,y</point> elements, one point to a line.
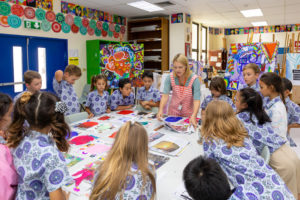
<point>8,174</point>
<point>97,103</point>
<point>284,161</point>
<point>40,166</point>
<point>293,113</point>
<point>210,98</point>
<point>244,192</point>
<point>255,86</point>
<point>116,99</point>
<point>152,94</point>
<point>244,166</point>
<point>261,134</point>
<point>182,102</point>
<point>65,91</point>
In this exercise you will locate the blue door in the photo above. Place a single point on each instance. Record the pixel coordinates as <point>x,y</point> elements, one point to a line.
<point>45,55</point>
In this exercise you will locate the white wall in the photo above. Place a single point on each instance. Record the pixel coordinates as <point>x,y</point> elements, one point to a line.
<point>75,41</point>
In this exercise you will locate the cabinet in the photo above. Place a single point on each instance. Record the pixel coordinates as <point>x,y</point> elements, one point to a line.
<point>154,34</point>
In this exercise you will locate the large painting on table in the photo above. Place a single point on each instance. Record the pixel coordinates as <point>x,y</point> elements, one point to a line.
<point>122,61</point>
<point>241,54</point>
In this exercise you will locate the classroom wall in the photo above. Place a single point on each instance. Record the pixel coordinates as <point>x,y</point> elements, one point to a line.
<point>176,39</point>
<point>75,41</point>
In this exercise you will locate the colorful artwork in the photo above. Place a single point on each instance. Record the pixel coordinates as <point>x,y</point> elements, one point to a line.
<point>174,18</point>
<point>122,61</point>
<point>45,4</point>
<point>188,18</point>
<point>158,160</point>
<point>72,160</point>
<point>241,54</point>
<point>292,63</point>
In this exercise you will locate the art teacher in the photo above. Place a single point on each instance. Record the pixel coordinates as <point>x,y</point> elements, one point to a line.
<point>185,85</point>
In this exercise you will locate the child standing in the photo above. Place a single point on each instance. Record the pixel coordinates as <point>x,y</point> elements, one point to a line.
<point>293,110</point>
<point>125,173</point>
<point>123,98</point>
<point>284,161</point>
<point>8,174</point>
<point>218,92</point>
<point>227,141</point>
<point>63,86</point>
<point>250,110</point>
<point>97,100</point>
<point>37,152</point>
<point>204,179</point>
<point>148,96</point>
<point>251,74</point>
<point>33,83</point>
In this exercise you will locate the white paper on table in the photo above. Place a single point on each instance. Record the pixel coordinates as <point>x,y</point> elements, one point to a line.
<point>181,193</point>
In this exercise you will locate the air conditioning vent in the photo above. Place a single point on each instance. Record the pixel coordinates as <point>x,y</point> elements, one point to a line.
<point>164,4</point>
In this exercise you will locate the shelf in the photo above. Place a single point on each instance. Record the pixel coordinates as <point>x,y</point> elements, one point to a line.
<point>146,40</point>
<point>144,34</point>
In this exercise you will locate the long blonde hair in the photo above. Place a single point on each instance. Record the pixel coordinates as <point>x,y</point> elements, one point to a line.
<point>184,61</point>
<point>221,123</point>
<point>130,146</point>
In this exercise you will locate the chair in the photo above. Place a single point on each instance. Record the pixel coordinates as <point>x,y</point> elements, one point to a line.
<point>76,117</point>
<point>265,153</point>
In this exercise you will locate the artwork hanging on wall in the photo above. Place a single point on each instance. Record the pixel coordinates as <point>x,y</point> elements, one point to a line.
<point>241,54</point>
<point>122,61</point>
<point>45,4</point>
<point>293,64</point>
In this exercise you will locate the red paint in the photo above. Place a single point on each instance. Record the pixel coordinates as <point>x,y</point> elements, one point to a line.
<point>81,140</point>
<point>104,118</point>
<point>87,124</point>
<point>113,135</point>
<point>125,112</point>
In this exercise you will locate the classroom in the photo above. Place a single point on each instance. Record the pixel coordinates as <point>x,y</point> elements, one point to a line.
<point>150,99</point>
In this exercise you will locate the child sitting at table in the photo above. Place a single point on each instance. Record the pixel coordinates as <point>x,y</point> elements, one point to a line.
<point>123,98</point>
<point>63,87</point>
<point>227,141</point>
<point>97,100</point>
<point>218,92</point>
<point>148,97</point>
<point>126,173</point>
<point>8,174</point>
<point>251,74</point>
<point>204,179</point>
<point>293,110</point>
<point>37,153</point>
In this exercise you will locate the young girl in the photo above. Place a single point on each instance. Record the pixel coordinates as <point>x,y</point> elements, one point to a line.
<point>123,98</point>
<point>251,73</point>
<point>125,173</point>
<point>250,110</point>
<point>284,161</point>
<point>8,174</point>
<point>97,100</point>
<point>226,141</point>
<point>218,90</point>
<point>37,152</point>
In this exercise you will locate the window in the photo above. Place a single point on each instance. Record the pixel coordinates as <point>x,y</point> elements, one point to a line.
<point>18,68</point>
<point>42,66</point>
<point>204,44</point>
<point>195,41</point>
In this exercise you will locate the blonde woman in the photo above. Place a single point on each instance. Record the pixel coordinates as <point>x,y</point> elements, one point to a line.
<point>227,141</point>
<point>125,173</point>
<point>185,88</point>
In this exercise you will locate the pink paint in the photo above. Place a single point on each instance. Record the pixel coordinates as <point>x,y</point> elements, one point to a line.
<point>188,120</point>
<point>125,112</point>
<point>83,139</point>
<point>86,174</point>
<point>98,148</point>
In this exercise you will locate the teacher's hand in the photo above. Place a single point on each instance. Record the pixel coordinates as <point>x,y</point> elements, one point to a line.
<point>193,121</point>
<point>159,115</point>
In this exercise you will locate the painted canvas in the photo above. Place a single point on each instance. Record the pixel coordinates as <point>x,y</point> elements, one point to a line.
<point>122,61</point>
<point>241,54</point>
<point>292,63</point>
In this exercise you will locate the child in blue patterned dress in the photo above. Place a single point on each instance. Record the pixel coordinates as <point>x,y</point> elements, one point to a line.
<point>284,161</point>
<point>218,92</point>
<point>63,87</point>
<point>126,173</point>
<point>33,83</point>
<point>251,74</point>
<point>37,153</point>
<point>123,98</point>
<point>97,100</point>
<point>148,97</point>
<point>204,179</point>
<point>293,110</point>
<point>226,140</point>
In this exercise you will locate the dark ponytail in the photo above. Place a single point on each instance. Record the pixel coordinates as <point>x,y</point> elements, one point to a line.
<point>39,111</point>
<point>272,79</point>
<point>254,105</point>
<point>94,80</point>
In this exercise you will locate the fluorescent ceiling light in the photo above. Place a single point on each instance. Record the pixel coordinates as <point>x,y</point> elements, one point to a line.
<point>264,23</point>
<point>252,13</point>
<point>144,5</point>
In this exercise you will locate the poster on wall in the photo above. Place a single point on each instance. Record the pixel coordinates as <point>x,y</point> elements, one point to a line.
<point>122,61</point>
<point>293,68</point>
<point>241,54</point>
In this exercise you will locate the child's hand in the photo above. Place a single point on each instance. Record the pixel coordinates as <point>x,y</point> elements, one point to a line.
<point>59,75</point>
<point>108,110</point>
<point>148,107</point>
<point>91,115</point>
<point>130,106</point>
